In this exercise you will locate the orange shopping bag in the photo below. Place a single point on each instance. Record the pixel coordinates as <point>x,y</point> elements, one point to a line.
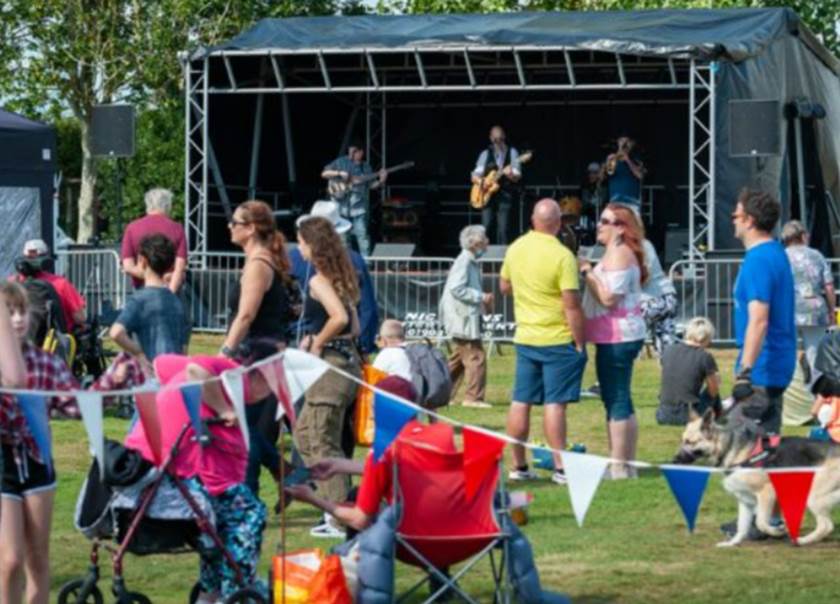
<point>329,585</point>
<point>296,575</point>
<point>363,425</point>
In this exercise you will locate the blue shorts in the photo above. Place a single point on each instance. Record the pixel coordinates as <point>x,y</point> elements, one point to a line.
<point>614,366</point>
<point>548,374</point>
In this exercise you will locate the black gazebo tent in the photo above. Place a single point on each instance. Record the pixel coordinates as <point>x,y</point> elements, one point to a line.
<point>268,108</point>
<point>27,170</point>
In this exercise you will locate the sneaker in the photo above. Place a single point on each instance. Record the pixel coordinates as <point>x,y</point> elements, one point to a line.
<point>594,391</point>
<point>559,477</point>
<point>477,404</point>
<point>327,530</point>
<point>519,475</point>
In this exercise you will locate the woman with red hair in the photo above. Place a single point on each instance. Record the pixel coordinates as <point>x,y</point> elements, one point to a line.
<point>614,323</point>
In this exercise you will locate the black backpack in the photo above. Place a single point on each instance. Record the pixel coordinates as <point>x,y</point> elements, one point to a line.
<point>44,309</point>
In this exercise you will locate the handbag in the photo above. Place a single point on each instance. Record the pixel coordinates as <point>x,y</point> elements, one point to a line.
<point>123,466</point>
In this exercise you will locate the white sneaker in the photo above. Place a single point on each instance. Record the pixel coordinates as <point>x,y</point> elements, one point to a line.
<point>559,477</point>
<point>519,475</point>
<point>327,529</point>
<point>477,404</point>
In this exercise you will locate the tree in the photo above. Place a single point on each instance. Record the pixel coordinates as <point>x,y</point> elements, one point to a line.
<point>66,56</point>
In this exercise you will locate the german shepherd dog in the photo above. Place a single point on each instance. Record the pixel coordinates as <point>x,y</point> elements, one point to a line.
<point>733,445</point>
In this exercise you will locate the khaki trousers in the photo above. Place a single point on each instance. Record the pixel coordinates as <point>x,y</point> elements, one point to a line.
<point>468,362</point>
<point>318,428</point>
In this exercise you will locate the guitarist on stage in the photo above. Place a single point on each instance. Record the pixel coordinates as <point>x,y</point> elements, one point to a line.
<point>355,202</point>
<point>498,156</point>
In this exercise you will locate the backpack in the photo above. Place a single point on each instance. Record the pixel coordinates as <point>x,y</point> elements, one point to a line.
<point>431,375</point>
<point>44,309</point>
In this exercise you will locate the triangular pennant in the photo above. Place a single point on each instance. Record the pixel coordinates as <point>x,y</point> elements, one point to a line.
<point>148,412</point>
<point>583,473</point>
<point>90,405</point>
<point>391,415</point>
<point>275,375</point>
<point>34,407</point>
<point>792,489</point>
<point>481,454</point>
<point>688,486</point>
<point>234,386</point>
<point>301,371</point>
<point>191,395</point>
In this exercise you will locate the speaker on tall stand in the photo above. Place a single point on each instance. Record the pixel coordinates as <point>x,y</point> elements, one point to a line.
<point>112,137</point>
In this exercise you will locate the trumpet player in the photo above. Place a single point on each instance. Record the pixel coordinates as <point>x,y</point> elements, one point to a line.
<point>624,172</point>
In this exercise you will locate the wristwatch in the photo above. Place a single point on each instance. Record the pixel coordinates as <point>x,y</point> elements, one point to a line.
<point>228,352</point>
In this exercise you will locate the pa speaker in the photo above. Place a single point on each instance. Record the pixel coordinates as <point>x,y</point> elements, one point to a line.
<point>112,130</point>
<point>755,128</point>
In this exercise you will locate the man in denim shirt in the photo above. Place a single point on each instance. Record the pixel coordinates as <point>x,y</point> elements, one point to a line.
<point>153,320</point>
<point>355,201</point>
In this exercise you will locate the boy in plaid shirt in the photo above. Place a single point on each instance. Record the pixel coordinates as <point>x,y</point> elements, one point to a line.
<point>28,483</point>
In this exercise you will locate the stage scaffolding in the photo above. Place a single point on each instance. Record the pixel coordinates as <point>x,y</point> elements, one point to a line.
<point>372,74</point>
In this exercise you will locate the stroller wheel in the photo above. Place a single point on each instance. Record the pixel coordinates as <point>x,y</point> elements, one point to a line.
<point>246,596</point>
<point>76,592</point>
<point>134,597</point>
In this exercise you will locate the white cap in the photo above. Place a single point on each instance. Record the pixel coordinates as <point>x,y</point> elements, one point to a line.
<point>35,247</point>
<point>593,167</point>
<point>328,210</point>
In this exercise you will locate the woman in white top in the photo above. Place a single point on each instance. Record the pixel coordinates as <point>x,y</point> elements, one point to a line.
<point>614,323</point>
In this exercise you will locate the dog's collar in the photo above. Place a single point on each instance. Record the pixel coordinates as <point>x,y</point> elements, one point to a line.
<point>762,449</point>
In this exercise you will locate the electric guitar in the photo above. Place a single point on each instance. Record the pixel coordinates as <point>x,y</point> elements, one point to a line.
<point>339,188</point>
<point>483,191</point>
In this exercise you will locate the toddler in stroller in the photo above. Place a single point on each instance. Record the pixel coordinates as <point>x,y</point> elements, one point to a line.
<point>207,472</point>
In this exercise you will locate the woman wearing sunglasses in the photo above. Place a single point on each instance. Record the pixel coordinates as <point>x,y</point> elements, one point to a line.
<point>614,323</point>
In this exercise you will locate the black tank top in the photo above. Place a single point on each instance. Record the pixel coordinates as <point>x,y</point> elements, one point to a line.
<point>271,320</point>
<point>316,316</point>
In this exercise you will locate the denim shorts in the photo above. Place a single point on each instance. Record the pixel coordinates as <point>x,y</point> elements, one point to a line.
<point>548,374</point>
<point>614,367</point>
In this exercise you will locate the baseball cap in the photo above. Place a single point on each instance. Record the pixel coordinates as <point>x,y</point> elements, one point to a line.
<point>35,247</point>
<point>593,167</point>
<point>330,211</point>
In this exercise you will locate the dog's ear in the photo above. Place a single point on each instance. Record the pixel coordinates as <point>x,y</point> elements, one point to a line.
<point>708,420</point>
<point>692,414</point>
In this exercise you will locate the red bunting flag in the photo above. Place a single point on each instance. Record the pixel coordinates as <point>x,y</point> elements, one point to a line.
<point>481,453</point>
<point>148,411</point>
<point>275,374</point>
<point>792,489</point>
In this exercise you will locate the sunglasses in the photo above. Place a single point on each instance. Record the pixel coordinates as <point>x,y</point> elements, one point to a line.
<point>234,223</point>
<point>608,222</point>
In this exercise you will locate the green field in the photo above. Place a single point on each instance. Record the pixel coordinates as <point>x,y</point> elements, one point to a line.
<point>634,546</point>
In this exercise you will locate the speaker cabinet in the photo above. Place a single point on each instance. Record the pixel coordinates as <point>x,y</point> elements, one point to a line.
<point>755,128</point>
<point>112,131</point>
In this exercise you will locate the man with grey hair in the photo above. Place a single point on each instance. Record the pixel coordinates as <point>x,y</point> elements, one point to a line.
<point>158,206</point>
<point>460,313</point>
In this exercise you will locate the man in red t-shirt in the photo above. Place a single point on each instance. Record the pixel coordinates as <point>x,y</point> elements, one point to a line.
<point>72,302</point>
<point>377,475</point>
<point>156,220</point>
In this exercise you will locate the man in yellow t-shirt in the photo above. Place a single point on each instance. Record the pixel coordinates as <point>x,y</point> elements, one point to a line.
<point>542,275</point>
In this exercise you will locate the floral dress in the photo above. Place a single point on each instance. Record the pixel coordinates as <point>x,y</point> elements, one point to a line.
<point>811,273</point>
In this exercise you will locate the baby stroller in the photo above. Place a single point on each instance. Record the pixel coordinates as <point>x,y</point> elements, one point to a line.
<point>145,510</point>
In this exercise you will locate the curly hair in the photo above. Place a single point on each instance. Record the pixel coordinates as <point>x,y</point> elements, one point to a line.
<point>259,214</point>
<point>330,257</point>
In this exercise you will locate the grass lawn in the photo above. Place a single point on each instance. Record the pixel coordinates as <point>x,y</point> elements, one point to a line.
<point>634,546</point>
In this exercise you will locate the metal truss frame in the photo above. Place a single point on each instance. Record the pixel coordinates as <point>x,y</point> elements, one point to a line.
<point>376,73</point>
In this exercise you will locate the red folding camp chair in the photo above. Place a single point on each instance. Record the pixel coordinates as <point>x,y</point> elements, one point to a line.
<point>439,526</point>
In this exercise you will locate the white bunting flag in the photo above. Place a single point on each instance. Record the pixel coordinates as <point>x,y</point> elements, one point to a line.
<point>232,380</point>
<point>90,404</point>
<point>583,473</point>
<point>302,370</point>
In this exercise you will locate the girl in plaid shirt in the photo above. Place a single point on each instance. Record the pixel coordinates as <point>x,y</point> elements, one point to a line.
<point>28,482</point>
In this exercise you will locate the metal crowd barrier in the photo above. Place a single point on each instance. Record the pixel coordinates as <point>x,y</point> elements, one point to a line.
<point>97,275</point>
<point>209,289</point>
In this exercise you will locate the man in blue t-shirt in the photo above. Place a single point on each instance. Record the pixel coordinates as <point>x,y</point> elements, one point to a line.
<point>765,331</point>
<point>153,321</point>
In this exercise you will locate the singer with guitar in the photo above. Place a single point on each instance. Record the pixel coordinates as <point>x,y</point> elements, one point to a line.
<point>353,198</point>
<point>505,161</point>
